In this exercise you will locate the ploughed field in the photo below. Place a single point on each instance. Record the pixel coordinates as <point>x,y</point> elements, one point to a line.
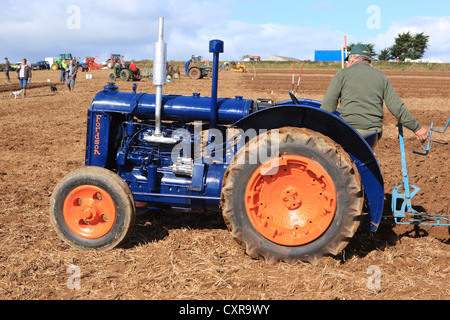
<point>192,255</point>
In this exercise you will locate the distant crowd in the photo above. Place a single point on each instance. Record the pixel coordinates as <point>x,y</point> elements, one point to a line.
<point>68,73</point>
<point>24,73</point>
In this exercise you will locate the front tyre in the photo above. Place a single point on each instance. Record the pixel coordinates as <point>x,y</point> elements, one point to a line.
<point>92,208</point>
<point>302,203</point>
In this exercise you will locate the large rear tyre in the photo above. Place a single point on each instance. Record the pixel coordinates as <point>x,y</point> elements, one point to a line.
<point>195,73</point>
<point>125,75</point>
<point>301,203</point>
<point>92,208</point>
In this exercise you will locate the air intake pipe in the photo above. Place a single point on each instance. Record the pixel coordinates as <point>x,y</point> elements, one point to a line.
<point>216,47</point>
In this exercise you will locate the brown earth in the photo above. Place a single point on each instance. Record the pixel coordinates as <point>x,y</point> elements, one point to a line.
<point>176,256</point>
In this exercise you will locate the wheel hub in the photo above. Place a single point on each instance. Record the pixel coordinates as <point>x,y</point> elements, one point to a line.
<point>291,199</point>
<point>89,212</point>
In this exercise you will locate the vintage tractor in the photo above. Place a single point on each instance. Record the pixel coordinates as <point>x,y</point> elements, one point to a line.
<point>200,68</point>
<point>115,59</point>
<point>293,182</point>
<point>237,67</point>
<point>124,73</point>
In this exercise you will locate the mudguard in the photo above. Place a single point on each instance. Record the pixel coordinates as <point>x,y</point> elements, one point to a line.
<point>308,115</point>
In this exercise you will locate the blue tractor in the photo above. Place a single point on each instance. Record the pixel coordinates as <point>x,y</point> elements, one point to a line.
<point>292,181</point>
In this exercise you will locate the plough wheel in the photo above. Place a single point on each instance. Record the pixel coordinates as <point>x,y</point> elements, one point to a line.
<point>301,203</point>
<point>92,208</point>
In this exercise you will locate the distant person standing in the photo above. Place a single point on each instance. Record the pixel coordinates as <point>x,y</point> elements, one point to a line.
<point>62,80</point>
<point>71,75</point>
<point>186,66</point>
<point>24,74</point>
<point>7,69</point>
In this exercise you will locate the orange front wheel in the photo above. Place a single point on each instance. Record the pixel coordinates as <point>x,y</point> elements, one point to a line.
<point>89,211</point>
<point>92,208</point>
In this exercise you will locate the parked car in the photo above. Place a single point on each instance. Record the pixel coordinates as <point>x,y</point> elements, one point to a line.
<point>41,65</point>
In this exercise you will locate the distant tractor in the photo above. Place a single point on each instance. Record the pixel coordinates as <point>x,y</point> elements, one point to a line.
<point>200,69</point>
<point>237,67</point>
<point>90,63</point>
<point>125,73</point>
<point>58,62</point>
<point>115,59</point>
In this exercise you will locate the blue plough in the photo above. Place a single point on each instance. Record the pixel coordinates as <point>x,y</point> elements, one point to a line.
<point>406,214</point>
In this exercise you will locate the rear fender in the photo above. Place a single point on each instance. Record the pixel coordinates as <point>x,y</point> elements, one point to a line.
<point>309,115</point>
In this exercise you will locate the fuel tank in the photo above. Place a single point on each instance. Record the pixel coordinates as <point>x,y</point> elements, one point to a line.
<point>174,107</point>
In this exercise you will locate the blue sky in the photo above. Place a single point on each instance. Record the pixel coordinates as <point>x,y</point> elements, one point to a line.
<point>38,29</point>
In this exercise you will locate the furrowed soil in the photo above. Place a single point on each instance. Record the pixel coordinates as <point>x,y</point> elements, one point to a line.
<point>175,256</point>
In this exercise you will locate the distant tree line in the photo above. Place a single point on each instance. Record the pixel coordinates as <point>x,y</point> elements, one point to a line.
<point>406,46</point>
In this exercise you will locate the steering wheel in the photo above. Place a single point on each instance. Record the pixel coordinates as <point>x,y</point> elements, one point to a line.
<point>294,98</point>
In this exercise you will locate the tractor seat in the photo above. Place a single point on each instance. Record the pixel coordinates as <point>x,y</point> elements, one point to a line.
<point>373,139</point>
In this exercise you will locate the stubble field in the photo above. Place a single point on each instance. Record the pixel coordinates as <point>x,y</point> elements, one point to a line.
<point>173,256</point>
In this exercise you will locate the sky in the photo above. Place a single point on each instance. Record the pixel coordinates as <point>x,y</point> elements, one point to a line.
<point>293,28</point>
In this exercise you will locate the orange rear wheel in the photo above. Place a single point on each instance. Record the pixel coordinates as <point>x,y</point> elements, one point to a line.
<point>301,203</point>
<point>293,206</point>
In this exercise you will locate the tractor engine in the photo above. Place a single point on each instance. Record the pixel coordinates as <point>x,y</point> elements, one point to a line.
<point>171,165</point>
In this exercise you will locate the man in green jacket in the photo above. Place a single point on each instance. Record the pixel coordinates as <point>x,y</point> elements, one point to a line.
<point>361,90</point>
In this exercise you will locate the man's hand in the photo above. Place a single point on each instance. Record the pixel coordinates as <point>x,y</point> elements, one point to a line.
<point>422,134</point>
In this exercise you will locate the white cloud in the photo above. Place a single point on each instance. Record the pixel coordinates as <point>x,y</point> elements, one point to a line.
<point>263,39</point>
<point>38,29</point>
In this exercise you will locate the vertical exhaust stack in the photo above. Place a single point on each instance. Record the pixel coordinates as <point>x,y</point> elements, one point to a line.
<point>159,80</point>
<point>159,73</point>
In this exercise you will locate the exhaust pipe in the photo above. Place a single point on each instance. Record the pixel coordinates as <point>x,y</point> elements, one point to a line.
<point>159,73</point>
<point>159,80</point>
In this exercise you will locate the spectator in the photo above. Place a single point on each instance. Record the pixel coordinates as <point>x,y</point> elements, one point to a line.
<point>7,68</point>
<point>62,80</point>
<point>24,74</point>
<point>186,66</point>
<point>71,75</point>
